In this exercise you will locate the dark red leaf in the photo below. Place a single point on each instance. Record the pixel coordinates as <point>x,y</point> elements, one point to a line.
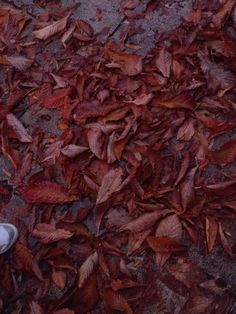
<point>164,244</point>
<point>45,192</point>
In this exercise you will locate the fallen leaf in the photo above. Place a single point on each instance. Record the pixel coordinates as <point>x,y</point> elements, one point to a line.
<point>184,101</point>
<point>73,150</point>
<point>224,242</point>
<point>111,183</point>
<point>131,64</point>
<point>21,63</point>
<point>211,232</point>
<point>163,62</point>
<point>59,278</point>
<point>25,261</point>
<point>164,244</point>
<point>45,192</point>
<point>19,129</point>
<point>115,301</point>
<point>171,227</point>
<point>136,239</point>
<point>49,234</point>
<point>144,221</point>
<point>87,268</point>
<point>51,29</point>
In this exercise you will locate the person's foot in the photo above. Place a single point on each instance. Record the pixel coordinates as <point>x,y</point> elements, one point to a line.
<point>8,236</point>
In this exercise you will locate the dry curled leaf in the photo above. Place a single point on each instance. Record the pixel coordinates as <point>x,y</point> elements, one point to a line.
<point>51,29</point>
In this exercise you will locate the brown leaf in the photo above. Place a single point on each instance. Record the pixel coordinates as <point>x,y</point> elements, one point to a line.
<point>144,221</point>
<point>59,278</point>
<point>49,234</point>
<point>111,183</point>
<point>171,227</point>
<point>25,261</point>
<point>130,64</point>
<point>57,100</point>
<point>45,192</point>
<point>184,101</point>
<point>51,29</point>
<point>96,141</point>
<point>87,268</point>
<point>19,129</point>
<point>211,232</point>
<point>136,240</point>
<point>115,301</point>
<point>68,34</point>
<point>163,62</point>
<point>187,189</point>
<point>183,169</point>
<point>224,242</point>
<point>129,4</point>
<point>226,188</point>
<point>73,150</point>
<point>164,244</point>
<point>21,63</point>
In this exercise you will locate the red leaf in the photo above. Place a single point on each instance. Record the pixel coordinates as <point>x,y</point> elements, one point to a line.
<point>144,221</point>
<point>59,278</point>
<point>87,268</point>
<point>19,129</point>
<point>51,29</point>
<point>163,62</point>
<point>86,27</point>
<point>111,183</point>
<point>45,192</point>
<point>211,232</point>
<point>96,141</point>
<point>221,189</point>
<point>25,261</point>
<point>115,301</point>
<point>184,101</point>
<point>57,100</point>
<point>164,245</point>
<point>130,64</point>
<point>49,234</point>
<point>170,227</point>
<point>183,169</point>
<point>224,242</point>
<point>187,189</point>
<point>136,240</point>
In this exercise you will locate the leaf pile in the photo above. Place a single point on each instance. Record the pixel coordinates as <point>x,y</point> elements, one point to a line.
<point>125,174</point>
